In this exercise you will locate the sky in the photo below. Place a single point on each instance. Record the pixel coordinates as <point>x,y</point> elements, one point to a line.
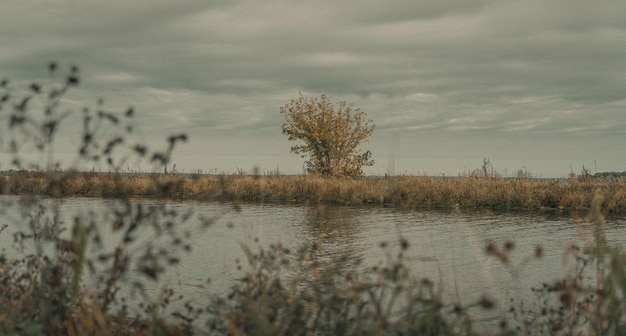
<point>536,85</point>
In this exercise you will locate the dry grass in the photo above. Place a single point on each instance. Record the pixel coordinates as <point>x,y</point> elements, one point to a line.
<point>406,191</point>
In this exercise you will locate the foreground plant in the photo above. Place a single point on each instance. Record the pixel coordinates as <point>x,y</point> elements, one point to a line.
<point>285,292</point>
<point>589,301</point>
<point>68,280</point>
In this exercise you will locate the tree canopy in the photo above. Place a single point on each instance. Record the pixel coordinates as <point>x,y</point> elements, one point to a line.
<point>331,135</point>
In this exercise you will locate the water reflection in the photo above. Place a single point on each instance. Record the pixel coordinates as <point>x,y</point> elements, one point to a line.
<point>333,230</point>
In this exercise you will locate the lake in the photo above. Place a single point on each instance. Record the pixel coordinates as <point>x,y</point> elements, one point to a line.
<point>447,246</point>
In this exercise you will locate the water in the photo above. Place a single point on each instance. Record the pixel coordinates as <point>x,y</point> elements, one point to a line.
<point>445,246</point>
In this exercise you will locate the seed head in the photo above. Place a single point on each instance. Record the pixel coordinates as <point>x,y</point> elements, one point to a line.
<point>509,245</point>
<point>486,303</point>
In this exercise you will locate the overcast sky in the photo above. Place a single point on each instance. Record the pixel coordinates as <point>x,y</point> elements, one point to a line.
<point>529,84</point>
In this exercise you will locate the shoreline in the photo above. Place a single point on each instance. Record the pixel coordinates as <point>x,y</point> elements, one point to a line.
<point>466,192</point>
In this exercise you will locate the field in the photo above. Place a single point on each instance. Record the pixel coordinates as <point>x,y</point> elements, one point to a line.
<point>403,191</point>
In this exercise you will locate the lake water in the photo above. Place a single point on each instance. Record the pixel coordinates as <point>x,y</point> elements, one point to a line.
<point>447,246</point>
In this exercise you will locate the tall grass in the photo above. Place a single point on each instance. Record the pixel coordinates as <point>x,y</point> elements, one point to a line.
<point>319,297</point>
<point>406,191</point>
<point>64,279</point>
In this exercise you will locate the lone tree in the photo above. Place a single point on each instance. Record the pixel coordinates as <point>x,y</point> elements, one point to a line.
<point>331,135</point>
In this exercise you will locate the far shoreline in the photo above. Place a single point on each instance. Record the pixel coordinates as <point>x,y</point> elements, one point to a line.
<point>464,191</point>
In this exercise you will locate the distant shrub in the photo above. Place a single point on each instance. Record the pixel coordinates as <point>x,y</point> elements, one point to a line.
<point>331,135</point>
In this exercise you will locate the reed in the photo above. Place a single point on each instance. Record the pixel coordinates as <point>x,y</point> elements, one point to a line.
<point>404,191</point>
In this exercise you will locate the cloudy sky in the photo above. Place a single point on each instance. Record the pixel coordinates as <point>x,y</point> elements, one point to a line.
<point>529,84</point>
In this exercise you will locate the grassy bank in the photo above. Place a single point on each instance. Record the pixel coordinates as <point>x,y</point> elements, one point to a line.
<point>404,191</point>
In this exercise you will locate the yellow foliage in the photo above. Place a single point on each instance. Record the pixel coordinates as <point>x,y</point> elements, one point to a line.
<point>331,135</point>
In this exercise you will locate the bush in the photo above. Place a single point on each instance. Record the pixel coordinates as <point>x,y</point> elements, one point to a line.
<point>331,135</point>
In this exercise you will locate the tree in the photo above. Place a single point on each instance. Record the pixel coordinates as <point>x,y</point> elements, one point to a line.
<point>331,135</point>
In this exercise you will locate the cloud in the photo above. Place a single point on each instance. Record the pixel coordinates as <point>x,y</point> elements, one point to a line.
<point>446,67</point>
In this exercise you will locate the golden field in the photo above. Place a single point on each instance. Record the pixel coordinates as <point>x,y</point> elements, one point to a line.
<point>404,191</point>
